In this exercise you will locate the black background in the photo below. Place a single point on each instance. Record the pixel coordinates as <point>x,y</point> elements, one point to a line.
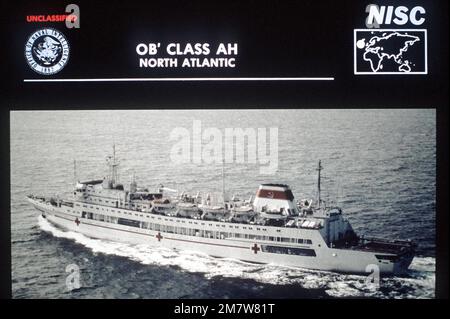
<point>276,39</point>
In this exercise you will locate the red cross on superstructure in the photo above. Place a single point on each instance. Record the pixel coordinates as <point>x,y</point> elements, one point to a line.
<point>159,236</point>
<point>77,221</point>
<point>255,248</point>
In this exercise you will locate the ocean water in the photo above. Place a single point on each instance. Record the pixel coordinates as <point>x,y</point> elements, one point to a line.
<point>379,166</point>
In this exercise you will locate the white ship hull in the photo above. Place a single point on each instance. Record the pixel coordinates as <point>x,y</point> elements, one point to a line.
<point>322,257</point>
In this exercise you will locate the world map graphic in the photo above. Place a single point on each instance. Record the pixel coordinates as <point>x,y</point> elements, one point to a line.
<point>389,46</point>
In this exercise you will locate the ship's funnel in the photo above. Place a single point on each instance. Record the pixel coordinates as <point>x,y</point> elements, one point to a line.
<point>275,198</point>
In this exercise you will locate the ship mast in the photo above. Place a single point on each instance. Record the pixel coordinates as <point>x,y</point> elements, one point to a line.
<point>113,174</point>
<point>319,168</point>
<point>75,172</point>
<point>223,182</point>
<point>113,166</point>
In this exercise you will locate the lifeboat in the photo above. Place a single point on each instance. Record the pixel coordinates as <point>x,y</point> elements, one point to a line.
<point>189,210</point>
<point>242,214</point>
<point>162,206</point>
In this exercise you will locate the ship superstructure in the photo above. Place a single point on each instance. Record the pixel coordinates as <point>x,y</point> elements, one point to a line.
<point>271,228</point>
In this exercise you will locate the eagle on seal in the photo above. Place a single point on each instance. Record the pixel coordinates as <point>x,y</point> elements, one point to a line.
<point>48,50</point>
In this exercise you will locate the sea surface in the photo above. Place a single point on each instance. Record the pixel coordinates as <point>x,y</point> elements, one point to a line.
<point>379,166</point>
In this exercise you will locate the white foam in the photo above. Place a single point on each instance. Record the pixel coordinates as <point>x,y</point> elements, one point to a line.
<point>419,284</point>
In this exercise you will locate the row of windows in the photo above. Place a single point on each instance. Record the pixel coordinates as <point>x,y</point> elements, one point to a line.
<point>218,234</point>
<point>114,203</point>
<point>190,231</point>
<point>288,250</point>
<point>100,217</point>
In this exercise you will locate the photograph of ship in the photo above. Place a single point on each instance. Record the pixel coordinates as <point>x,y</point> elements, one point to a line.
<point>223,203</point>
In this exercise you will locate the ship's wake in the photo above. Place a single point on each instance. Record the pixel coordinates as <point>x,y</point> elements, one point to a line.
<point>419,282</point>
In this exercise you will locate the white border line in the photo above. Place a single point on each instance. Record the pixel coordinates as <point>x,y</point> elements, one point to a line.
<point>355,72</point>
<point>184,79</point>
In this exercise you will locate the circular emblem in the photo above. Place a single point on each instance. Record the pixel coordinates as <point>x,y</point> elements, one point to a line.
<point>47,51</point>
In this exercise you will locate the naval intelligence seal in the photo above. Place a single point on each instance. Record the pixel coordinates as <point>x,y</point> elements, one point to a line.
<point>47,51</point>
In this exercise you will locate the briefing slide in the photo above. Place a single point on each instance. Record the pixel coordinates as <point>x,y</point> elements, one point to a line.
<point>224,159</point>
